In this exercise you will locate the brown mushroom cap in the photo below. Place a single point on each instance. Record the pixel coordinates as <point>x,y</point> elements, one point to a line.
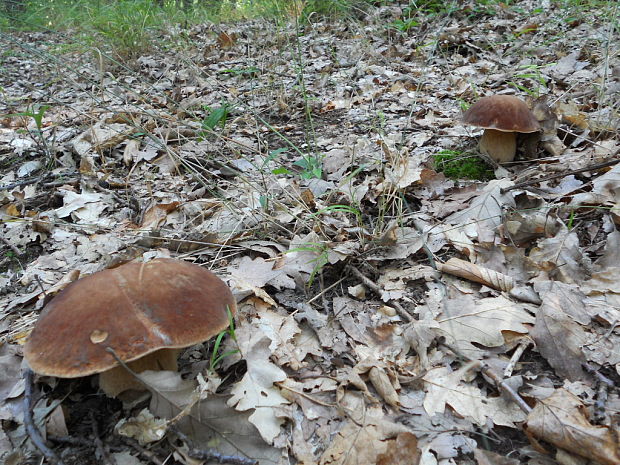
<point>135,309</point>
<point>503,113</point>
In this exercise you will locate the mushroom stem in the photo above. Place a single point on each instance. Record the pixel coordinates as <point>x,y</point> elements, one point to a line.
<point>119,379</point>
<point>501,146</point>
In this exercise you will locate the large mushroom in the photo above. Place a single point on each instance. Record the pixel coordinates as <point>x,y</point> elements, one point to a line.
<point>502,117</point>
<point>144,312</point>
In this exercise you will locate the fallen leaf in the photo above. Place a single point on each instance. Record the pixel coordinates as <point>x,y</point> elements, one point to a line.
<point>467,321</point>
<point>486,457</point>
<point>144,427</point>
<point>446,387</point>
<point>155,216</point>
<point>484,214</point>
<point>362,442</point>
<point>562,421</point>
<point>561,258</point>
<point>401,451</point>
<point>257,389</point>
<point>559,338</point>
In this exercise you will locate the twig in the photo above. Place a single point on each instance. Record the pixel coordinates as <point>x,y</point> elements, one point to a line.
<point>412,379</point>
<point>377,290</point>
<point>24,182</point>
<point>599,410</point>
<point>302,394</point>
<point>597,166</point>
<point>524,344</point>
<point>602,393</point>
<point>31,429</point>
<point>143,451</point>
<point>212,455</point>
<point>323,291</point>
<point>501,385</point>
<point>602,378</point>
<point>208,455</point>
<point>35,180</point>
<point>323,299</point>
<point>71,441</point>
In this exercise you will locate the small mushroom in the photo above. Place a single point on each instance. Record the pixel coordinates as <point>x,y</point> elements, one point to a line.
<point>144,312</point>
<point>502,117</point>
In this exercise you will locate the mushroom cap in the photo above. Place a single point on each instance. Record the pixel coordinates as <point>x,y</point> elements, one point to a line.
<point>135,309</point>
<point>502,113</point>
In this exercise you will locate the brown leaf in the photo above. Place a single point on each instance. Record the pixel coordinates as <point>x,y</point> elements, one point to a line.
<point>478,274</point>
<point>604,189</point>
<point>562,258</point>
<point>485,457</point>
<point>156,215</point>
<point>225,40</point>
<point>381,381</point>
<point>362,441</point>
<point>561,420</point>
<point>558,338</point>
<point>401,451</point>
<point>471,323</point>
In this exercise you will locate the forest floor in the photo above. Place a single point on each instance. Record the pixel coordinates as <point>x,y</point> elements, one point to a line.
<point>390,310</point>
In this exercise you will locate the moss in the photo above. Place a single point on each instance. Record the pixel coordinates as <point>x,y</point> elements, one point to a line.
<point>457,165</point>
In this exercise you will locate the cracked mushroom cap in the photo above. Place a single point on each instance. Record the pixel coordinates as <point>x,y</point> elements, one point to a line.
<point>503,113</point>
<point>136,309</point>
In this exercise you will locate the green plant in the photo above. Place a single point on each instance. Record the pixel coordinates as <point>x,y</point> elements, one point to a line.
<point>216,357</point>
<point>456,165</point>
<point>533,74</point>
<point>215,116</point>
<point>571,219</point>
<point>251,71</point>
<point>37,112</point>
<point>403,25</point>
<point>311,166</point>
<point>415,13</point>
<point>342,208</point>
<point>332,8</point>
<point>126,24</point>
<point>310,163</point>
<point>321,251</point>
<point>578,10</point>
<point>483,8</point>
<point>463,105</point>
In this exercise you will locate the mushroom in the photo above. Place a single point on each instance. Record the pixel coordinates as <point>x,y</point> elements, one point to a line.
<point>502,117</point>
<point>144,312</point>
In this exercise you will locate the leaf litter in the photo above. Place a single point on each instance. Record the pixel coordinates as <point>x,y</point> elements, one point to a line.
<point>387,314</point>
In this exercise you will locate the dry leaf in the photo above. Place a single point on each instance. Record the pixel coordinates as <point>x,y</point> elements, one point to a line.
<point>144,427</point>
<point>559,338</point>
<point>362,442</point>
<point>225,40</point>
<point>486,457</point>
<point>257,389</point>
<point>381,382</point>
<point>604,191</point>
<point>466,321</point>
<point>401,451</point>
<point>155,216</point>
<point>478,274</point>
<point>445,387</point>
<point>561,258</point>
<point>561,420</point>
<point>484,214</point>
